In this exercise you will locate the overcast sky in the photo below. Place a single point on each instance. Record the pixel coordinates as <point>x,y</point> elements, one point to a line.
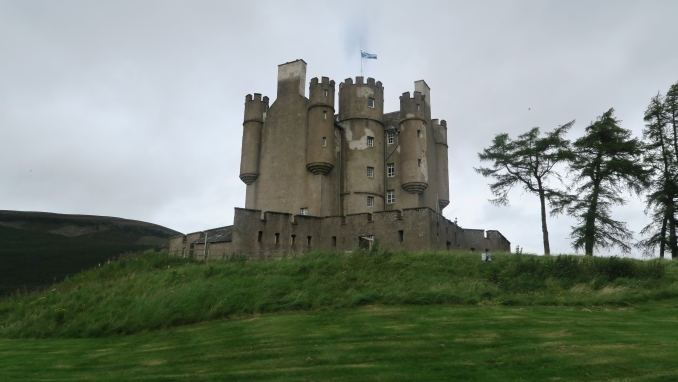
<point>134,108</point>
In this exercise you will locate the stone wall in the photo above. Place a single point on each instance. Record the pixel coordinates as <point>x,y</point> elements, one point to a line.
<point>274,234</point>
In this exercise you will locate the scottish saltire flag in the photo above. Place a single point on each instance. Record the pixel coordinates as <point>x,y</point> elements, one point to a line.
<point>368,55</point>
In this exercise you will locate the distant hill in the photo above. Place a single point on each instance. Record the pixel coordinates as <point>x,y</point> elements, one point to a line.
<point>101,228</point>
<point>37,248</point>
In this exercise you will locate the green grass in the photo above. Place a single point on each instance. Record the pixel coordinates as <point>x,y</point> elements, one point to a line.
<point>33,259</point>
<point>153,291</point>
<point>375,343</point>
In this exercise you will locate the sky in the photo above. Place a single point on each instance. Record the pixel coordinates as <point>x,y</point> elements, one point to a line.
<point>134,109</point>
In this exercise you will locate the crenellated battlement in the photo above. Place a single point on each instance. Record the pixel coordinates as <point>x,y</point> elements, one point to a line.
<point>321,93</point>
<point>255,107</point>
<point>440,131</point>
<point>361,99</point>
<point>413,107</point>
<point>360,81</point>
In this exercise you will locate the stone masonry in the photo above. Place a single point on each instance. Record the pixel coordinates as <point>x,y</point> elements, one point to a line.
<point>318,179</point>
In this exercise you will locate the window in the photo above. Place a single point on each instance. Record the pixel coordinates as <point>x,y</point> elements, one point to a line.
<point>419,162</point>
<point>418,107</point>
<point>259,235</point>
<point>390,196</point>
<point>324,141</point>
<point>401,236</point>
<point>334,241</point>
<point>277,239</point>
<point>390,170</point>
<point>370,102</point>
<point>370,201</point>
<point>293,238</point>
<point>324,115</point>
<point>418,133</point>
<point>370,172</point>
<point>325,92</point>
<point>304,211</point>
<point>370,141</point>
<point>390,137</point>
<point>308,241</point>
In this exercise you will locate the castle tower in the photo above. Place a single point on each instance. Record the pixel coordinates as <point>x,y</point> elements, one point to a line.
<point>320,150</point>
<point>255,112</point>
<point>441,156</point>
<point>413,141</point>
<point>361,110</point>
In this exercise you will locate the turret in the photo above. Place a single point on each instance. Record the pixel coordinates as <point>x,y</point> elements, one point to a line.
<point>255,113</point>
<point>320,144</point>
<point>361,100</point>
<point>413,162</point>
<point>441,157</point>
<point>361,114</point>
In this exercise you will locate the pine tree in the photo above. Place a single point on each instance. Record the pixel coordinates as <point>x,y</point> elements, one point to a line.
<point>661,141</point>
<point>529,162</point>
<point>607,161</point>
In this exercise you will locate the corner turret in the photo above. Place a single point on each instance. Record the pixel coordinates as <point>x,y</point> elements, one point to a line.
<point>320,143</point>
<point>255,114</point>
<point>361,100</point>
<point>413,161</point>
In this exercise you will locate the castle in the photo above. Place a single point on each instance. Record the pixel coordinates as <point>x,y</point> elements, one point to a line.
<point>318,179</point>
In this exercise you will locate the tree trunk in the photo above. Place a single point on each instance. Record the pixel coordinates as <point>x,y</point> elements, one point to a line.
<point>590,222</point>
<point>544,229</point>
<point>672,236</point>
<point>662,242</point>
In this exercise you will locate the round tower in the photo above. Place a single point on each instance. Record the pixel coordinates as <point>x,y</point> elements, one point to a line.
<point>413,164</point>
<point>320,143</point>
<point>255,113</point>
<point>441,158</point>
<point>361,113</point>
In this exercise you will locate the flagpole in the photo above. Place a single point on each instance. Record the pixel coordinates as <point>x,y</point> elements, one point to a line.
<point>361,63</point>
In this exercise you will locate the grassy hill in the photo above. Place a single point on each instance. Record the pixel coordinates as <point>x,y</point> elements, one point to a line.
<point>37,248</point>
<point>362,316</point>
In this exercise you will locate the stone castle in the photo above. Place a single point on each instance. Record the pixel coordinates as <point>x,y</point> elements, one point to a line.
<point>318,179</point>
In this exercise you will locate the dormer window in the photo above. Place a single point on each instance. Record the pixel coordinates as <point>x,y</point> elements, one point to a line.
<point>370,102</point>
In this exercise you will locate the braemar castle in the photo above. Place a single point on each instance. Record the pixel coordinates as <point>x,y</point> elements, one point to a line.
<point>339,180</point>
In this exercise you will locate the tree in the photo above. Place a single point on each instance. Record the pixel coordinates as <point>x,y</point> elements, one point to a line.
<point>661,141</point>
<point>606,162</point>
<point>527,161</point>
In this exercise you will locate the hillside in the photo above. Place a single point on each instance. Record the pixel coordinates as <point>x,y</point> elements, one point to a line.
<point>154,291</point>
<point>38,248</point>
<point>101,228</point>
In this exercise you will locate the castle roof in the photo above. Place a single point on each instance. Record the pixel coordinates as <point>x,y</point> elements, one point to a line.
<point>392,119</point>
<point>216,235</point>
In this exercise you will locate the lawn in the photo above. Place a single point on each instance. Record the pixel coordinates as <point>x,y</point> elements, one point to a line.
<point>375,343</point>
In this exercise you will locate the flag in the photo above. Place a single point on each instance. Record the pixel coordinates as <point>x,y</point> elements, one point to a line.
<point>368,55</point>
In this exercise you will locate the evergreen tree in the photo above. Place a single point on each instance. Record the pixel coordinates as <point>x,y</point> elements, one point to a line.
<point>661,141</point>
<point>606,162</point>
<point>527,161</point>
